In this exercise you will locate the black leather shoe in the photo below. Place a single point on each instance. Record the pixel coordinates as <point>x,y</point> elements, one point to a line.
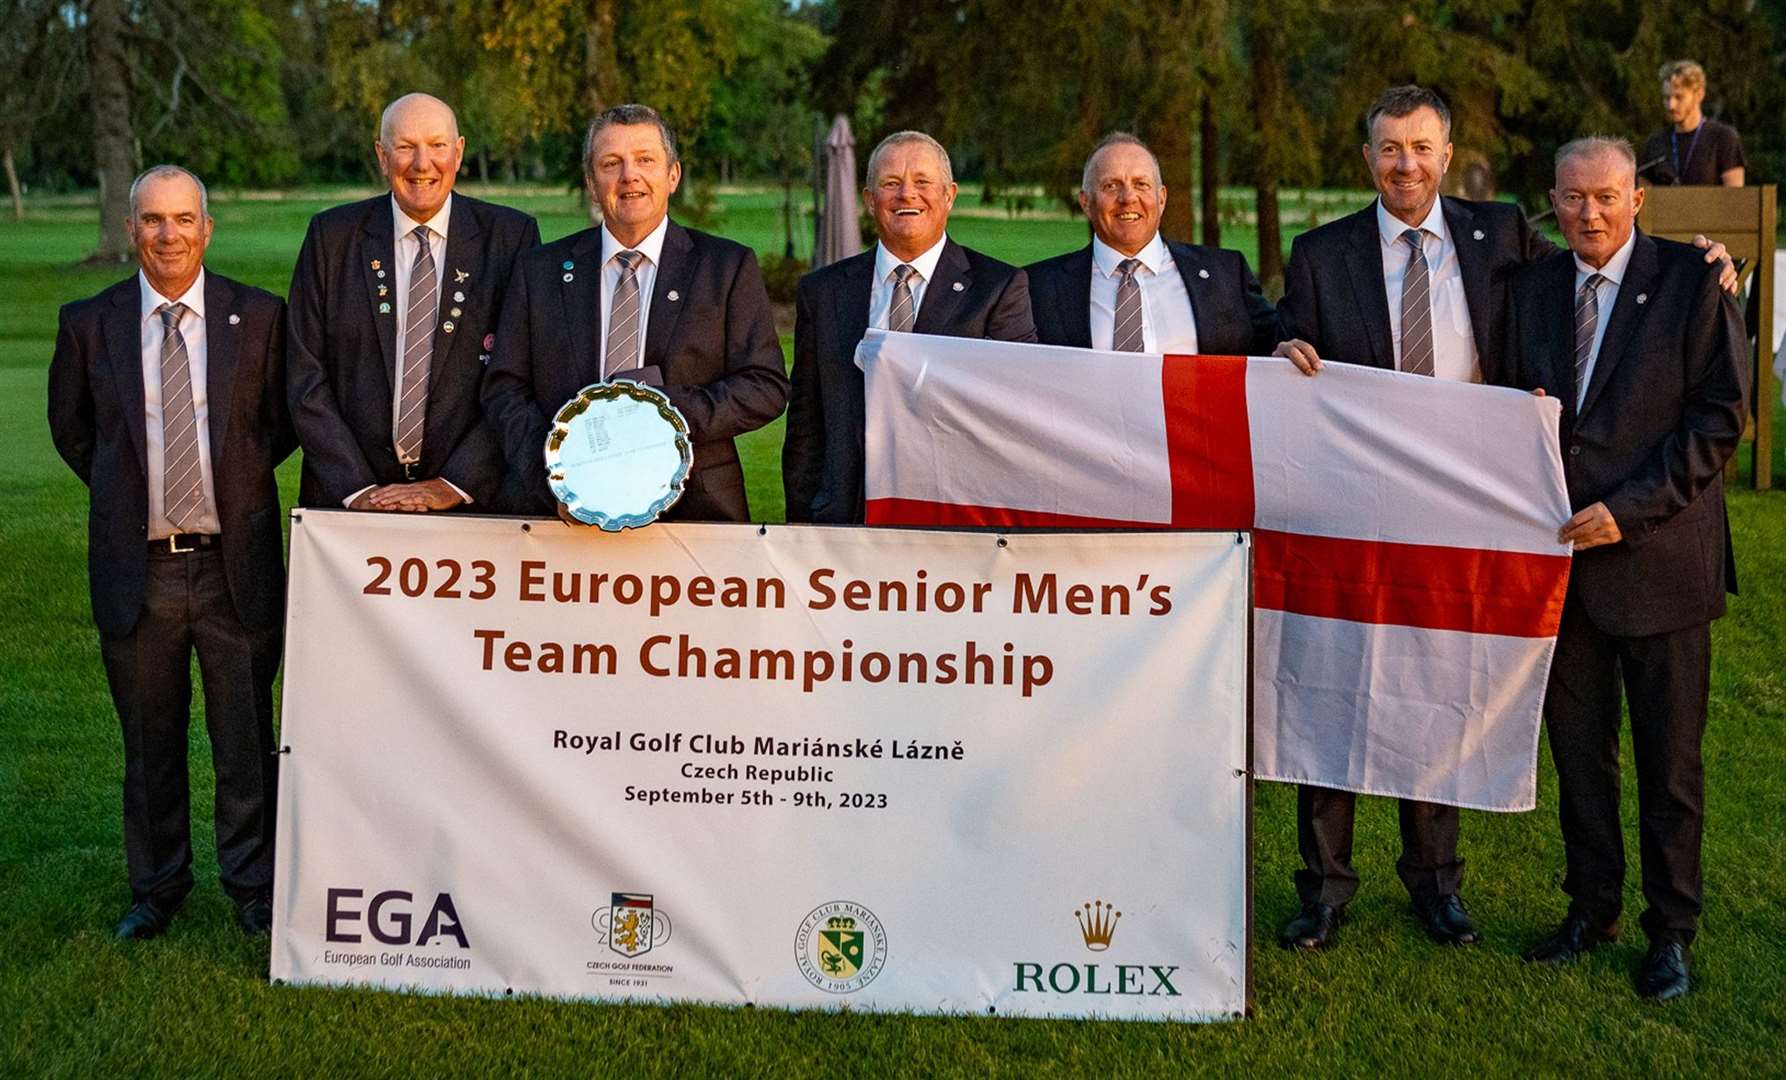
<point>144,920</point>
<point>1446,921</point>
<point>1664,973</point>
<point>1575,936</point>
<point>1313,928</point>
<point>255,917</point>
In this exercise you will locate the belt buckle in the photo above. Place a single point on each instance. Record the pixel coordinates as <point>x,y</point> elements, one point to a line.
<point>174,548</point>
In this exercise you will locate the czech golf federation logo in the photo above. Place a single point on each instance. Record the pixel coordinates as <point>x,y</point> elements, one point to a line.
<point>631,925</point>
<point>840,947</point>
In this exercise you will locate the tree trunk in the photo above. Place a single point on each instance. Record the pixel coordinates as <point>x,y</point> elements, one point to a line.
<point>1170,141</point>
<point>12,186</point>
<point>112,134</point>
<point>1266,41</point>
<point>601,70</point>
<point>1209,149</point>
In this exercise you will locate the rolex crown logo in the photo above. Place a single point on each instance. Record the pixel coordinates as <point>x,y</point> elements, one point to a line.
<point>841,922</point>
<point>1097,924</point>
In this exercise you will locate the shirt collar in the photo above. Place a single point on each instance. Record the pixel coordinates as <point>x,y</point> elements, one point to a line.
<point>652,247</point>
<point>1614,270</point>
<point>1106,258</point>
<point>1390,227</point>
<point>193,297</point>
<point>402,224</point>
<point>925,264</point>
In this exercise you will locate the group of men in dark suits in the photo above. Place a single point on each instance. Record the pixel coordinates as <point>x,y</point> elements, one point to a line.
<point>431,337</point>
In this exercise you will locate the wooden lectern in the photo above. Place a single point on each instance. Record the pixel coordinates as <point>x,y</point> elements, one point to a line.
<point>1743,219</point>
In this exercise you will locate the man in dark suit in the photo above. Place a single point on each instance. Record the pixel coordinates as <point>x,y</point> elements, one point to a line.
<point>393,310</point>
<point>638,297</point>
<point>167,399</point>
<point>1131,289</point>
<point>1648,357</point>
<point>916,280</point>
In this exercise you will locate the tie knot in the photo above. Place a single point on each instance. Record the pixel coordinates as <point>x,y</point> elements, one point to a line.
<point>1592,284</point>
<point>629,259</point>
<point>171,314</point>
<point>1128,267</point>
<point>904,272</point>
<point>1414,238</point>
<point>422,234</point>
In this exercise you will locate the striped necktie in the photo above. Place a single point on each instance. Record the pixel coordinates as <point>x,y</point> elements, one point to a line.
<point>1417,308</point>
<point>182,483</point>
<point>1587,320</point>
<point>418,349</point>
<point>904,313</point>
<point>1127,336</point>
<point>623,317</point>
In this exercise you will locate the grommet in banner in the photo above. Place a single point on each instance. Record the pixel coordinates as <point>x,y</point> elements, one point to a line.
<point>1239,772</point>
<point>1002,542</point>
<point>510,991</point>
<point>525,527</point>
<point>992,1010</point>
<point>762,530</point>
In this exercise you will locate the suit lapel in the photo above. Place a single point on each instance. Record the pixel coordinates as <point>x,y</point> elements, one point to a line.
<point>580,291</point>
<point>1185,258</point>
<point>378,256</point>
<point>852,301</point>
<point>1472,263</point>
<point>1075,304</point>
<point>124,351</point>
<point>669,295</point>
<point>1627,315</point>
<point>1364,261</point>
<point>462,251</point>
<point>943,295</point>
<point>222,345</point>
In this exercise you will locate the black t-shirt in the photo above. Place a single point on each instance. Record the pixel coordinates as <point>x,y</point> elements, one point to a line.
<point>1699,156</point>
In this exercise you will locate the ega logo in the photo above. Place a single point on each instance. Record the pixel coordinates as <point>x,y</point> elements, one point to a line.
<point>390,917</point>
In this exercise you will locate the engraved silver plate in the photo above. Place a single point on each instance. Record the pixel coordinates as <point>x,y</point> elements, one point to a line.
<point>618,455</point>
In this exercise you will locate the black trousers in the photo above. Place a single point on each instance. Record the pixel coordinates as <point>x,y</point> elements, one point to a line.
<point>1428,866</point>
<point>1666,680</point>
<point>187,607</point>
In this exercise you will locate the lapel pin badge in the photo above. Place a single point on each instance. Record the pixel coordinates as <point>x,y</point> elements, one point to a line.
<point>382,291</point>
<point>568,278</point>
<point>1477,234</point>
<point>381,273</point>
<point>1641,297</point>
<point>384,309</point>
<point>1204,274</point>
<point>459,276</point>
<point>456,313</point>
<point>377,265</point>
<point>674,296</point>
<point>489,342</point>
<point>235,320</point>
<point>447,326</point>
<point>959,287</point>
<point>458,298</point>
<point>569,265</point>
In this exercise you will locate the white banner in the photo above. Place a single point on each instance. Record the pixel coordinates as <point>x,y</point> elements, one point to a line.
<point>782,766</point>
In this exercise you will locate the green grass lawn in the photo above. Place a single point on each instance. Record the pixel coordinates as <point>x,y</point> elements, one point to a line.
<point>1385,1002</point>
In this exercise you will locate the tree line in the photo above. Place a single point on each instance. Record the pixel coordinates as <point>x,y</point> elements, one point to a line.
<point>276,93</point>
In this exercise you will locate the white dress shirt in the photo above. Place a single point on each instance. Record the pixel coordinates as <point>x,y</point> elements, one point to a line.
<point>880,297</point>
<point>652,247</point>
<point>1167,323</point>
<point>403,228</point>
<point>1454,348</point>
<point>1607,292</point>
<point>192,328</point>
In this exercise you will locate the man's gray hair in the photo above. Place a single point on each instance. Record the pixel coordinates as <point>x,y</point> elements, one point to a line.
<point>1400,101</point>
<point>1117,138</point>
<point>1594,146</point>
<point>626,116</point>
<point>902,138</point>
<point>162,172</point>
<point>390,111</point>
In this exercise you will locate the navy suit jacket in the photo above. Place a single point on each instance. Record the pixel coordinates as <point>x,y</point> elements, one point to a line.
<point>1664,411</point>
<point>98,424</point>
<point>1232,315</point>
<point>343,347</point>
<point>822,459</point>
<point>709,333</point>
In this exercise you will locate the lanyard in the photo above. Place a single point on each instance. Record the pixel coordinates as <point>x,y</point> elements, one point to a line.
<point>1674,150</point>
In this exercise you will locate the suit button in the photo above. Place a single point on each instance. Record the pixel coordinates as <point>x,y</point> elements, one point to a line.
<point>1573,450</point>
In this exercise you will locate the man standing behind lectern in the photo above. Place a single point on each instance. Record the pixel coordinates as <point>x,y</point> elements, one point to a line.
<point>393,311</point>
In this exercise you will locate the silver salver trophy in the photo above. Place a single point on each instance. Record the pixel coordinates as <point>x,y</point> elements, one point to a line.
<point>618,455</point>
